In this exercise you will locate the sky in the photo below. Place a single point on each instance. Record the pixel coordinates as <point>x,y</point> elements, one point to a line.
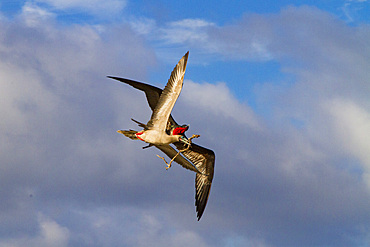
<point>278,89</point>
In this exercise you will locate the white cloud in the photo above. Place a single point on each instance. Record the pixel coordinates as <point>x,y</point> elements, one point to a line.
<point>55,98</point>
<point>154,233</point>
<point>254,37</point>
<point>191,23</point>
<point>34,15</point>
<point>143,26</point>
<point>218,100</point>
<point>186,30</point>
<point>351,127</point>
<point>21,101</point>
<point>206,37</point>
<point>60,144</point>
<point>95,7</point>
<point>50,234</point>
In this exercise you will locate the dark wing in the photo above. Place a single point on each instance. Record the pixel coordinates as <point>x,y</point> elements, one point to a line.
<point>152,93</point>
<point>169,96</point>
<point>171,152</point>
<point>204,161</point>
<point>202,158</point>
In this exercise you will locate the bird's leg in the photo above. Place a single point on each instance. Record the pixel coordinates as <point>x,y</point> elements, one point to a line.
<point>180,151</point>
<point>192,137</point>
<point>169,164</point>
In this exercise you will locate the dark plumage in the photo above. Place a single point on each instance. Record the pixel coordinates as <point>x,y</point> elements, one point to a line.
<point>202,160</point>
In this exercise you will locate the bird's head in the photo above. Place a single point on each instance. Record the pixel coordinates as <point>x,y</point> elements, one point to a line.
<point>179,130</point>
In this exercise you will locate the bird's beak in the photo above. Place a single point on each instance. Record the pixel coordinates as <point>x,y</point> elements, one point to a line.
<point>185,140</point>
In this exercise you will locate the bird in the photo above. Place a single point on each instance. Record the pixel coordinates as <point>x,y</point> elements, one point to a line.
<point>191,156</point>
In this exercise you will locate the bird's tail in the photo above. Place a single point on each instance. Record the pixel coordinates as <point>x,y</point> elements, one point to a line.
<point>129,133</point>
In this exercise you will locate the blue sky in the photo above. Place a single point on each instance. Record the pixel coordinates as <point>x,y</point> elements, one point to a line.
<point>278,89</point>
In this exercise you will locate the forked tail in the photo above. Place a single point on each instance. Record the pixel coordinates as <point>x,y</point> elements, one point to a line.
<point>129,133</point>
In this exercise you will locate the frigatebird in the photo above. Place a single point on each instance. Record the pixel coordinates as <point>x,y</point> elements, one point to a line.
<point>162,130</point>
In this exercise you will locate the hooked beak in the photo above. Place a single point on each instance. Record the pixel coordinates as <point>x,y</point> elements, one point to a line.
<point>185,140</point>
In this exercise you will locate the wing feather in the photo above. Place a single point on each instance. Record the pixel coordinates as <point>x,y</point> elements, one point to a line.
<point>204,160</point>
<point>152,93</point>
<point>169,96</point>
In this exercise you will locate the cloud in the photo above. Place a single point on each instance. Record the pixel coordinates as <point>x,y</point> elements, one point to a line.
<point>218,100</point>
<point>95,7</point>
<point>323,159</point>
<point>193,32</point>
<point>68,178</point>
<point>258,37</point>
<point>351,127</point>
<point>143,26</point>
<point>351,8</point>
<point>207,36</point>
<point>55,97</point>
<point>187,30</point>
<point>51,234</point>
<point>34,14</point>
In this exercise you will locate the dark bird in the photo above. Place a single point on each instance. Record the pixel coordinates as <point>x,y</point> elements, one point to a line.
<point>162,130</point>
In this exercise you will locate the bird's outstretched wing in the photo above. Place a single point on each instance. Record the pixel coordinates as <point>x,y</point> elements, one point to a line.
<point>204,161</point>
<point>169,95</point>
<point>202,158</point>
<point>152,93</point>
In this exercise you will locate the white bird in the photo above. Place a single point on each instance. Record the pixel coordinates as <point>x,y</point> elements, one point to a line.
<point>154,131</point>
<point>162,130</point>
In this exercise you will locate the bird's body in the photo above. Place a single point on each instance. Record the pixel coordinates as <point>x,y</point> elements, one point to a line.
<point>156,137</point>
<point>155,130</point>
<point>162,130</point>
